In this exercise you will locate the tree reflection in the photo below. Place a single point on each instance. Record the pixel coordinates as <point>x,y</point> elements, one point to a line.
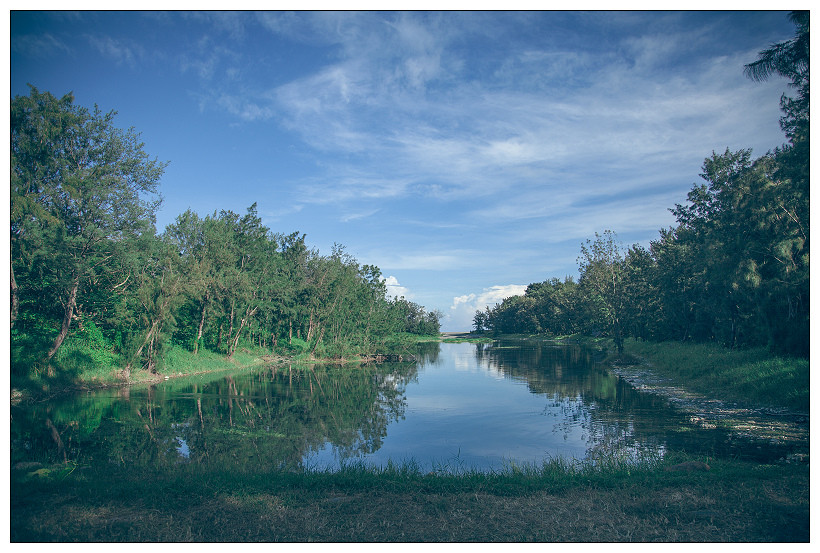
<point>280,416</point>
<point>250,421</point>
<point>612,417</point>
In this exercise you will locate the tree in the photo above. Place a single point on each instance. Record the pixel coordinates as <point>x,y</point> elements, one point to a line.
<point>603,275</point>
<point>79,186</point>
<point>789,59</point>
<point>735,270</point>
<point>159,288</point>
<point>481,320</point>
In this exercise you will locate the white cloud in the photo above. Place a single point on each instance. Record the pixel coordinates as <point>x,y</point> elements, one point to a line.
<point>479,137</point>
<point>357,215</point>
<point>460,316</point>
<point>244,108</point>
<point>394,289</point>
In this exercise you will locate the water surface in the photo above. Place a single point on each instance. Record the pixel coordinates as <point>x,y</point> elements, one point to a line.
<point>460,406</point>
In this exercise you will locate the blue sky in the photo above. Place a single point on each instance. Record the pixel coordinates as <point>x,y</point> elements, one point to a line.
<point>467,154</point>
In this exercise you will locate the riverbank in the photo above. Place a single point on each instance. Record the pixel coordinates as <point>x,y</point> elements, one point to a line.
<point>39,385</point>
<point>751,393</point>
<point>752,378</point>
<point>180,363</point>
<point>733,501</point>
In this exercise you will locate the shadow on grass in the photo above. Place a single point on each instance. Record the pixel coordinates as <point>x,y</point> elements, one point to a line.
<point>33,376</point>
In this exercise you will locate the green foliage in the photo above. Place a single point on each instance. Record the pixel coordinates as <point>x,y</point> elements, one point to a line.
<point>84,247</point>
<point>90,343</point>
<point>81,191</point>
<point>733,271</point>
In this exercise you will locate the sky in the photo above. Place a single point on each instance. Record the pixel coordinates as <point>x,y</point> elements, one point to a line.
<point>466,154</point>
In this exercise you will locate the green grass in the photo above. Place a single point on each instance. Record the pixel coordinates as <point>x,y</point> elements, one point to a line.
<point>81,363</point>
<point>749,376</point>
<point>558,501</point>
<point>179,361</point>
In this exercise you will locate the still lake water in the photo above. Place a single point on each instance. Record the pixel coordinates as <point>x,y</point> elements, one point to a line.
<point>460,406</point>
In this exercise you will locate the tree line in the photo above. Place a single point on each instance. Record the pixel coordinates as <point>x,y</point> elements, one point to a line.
<point>88,265</point>
<point>734,269</point>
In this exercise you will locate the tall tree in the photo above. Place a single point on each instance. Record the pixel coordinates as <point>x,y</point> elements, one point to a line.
<point>603,274</point>
<point>789,59</point>
<point>80,185</point>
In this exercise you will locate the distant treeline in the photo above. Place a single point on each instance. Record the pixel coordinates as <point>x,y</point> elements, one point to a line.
<point>735,269</point>
<point>88,268</point>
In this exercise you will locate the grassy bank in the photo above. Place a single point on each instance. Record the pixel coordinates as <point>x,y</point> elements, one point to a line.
<point>74,371</point>
<point>733,501</point>
<point>748,376</point>
<point>87,361</point>
<point>751,376</point>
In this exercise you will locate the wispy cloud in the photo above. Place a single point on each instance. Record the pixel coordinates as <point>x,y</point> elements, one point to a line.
<point>358,215</point>
<point>118,50</point>
<point>38,45</point>
<point>346,184</point>
<point>242,107</point>
<point>483,138</point>
<point>444,260</point>
<point>211,61</point>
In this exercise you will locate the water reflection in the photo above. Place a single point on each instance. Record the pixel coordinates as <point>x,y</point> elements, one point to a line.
<point>460,406</point>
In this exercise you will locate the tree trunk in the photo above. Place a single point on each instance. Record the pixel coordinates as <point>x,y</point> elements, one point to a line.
<point>14,299</point>
<point>230,328</point>
<point>57,440</point>
<point>69,313</point>
<point>311,328</point>
<point>248,314</point>
<point>201,324</point>
<point>147,339</point>
<point>321,333</point>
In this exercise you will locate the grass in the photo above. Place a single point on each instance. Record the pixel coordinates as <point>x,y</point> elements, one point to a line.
<point>558,501</point>
<point>748,376</point>
<point>79,365</point>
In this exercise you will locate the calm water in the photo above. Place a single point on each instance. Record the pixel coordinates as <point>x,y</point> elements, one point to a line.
<point>460,406</point>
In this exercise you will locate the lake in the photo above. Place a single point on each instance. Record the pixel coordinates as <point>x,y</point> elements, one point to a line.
<point>459,406</point>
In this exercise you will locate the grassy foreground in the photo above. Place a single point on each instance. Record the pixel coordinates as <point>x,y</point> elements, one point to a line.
<point>732,502</point>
